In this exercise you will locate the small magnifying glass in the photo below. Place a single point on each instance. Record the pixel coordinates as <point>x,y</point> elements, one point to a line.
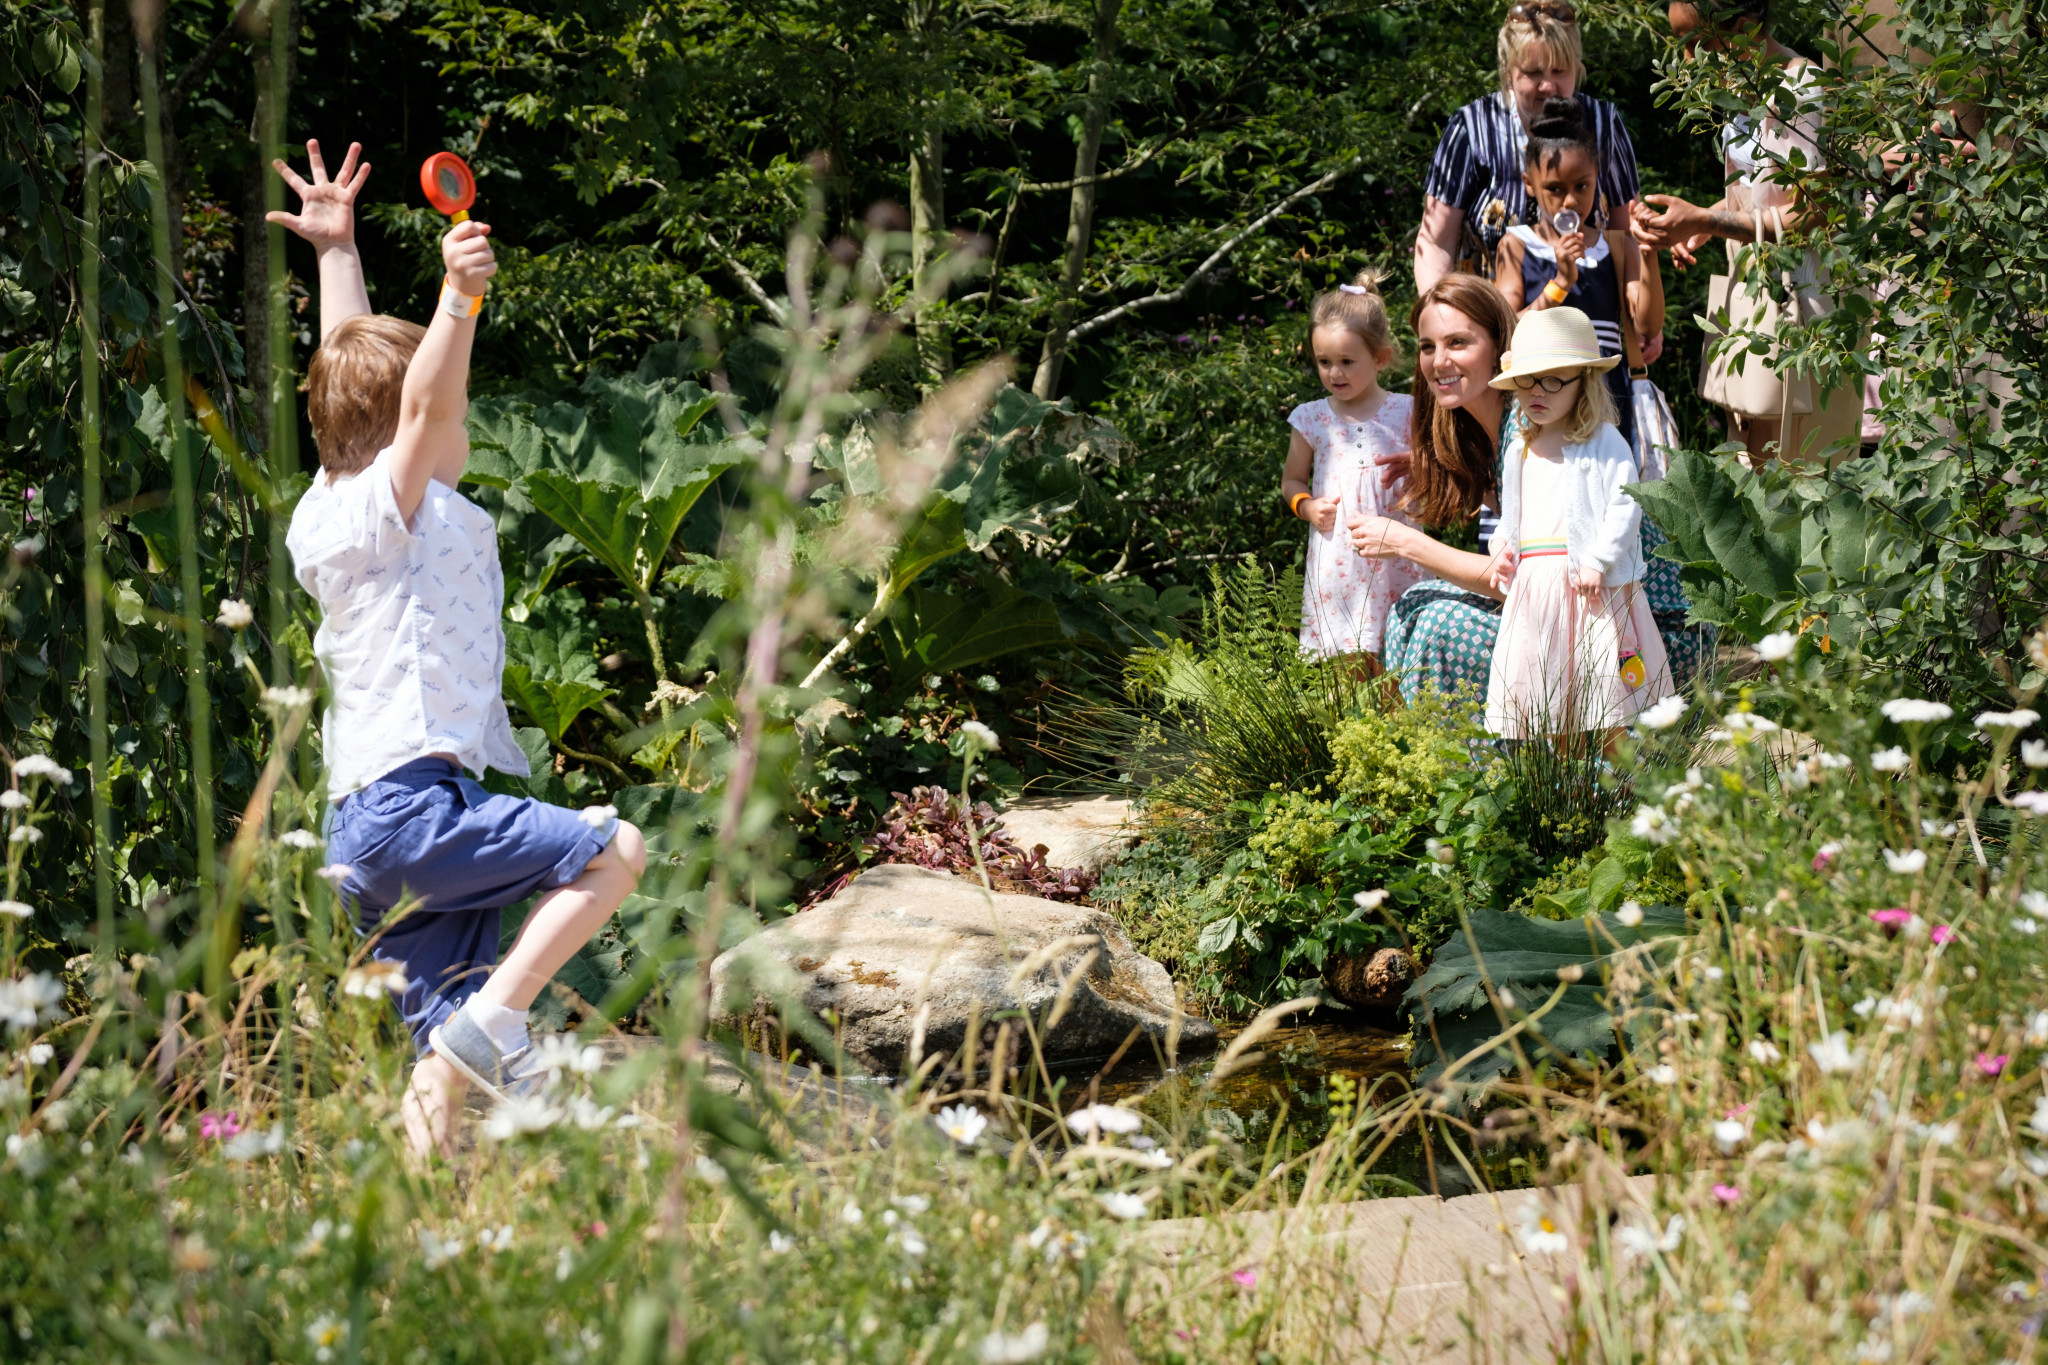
<point>446,180</point>
<point>1567,221</point>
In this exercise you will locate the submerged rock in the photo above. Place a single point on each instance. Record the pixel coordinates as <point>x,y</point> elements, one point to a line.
<point>1373,981</point>
<point>905,960</point>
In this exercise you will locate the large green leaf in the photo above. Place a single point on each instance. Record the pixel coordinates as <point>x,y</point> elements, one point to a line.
<point>552,703</point>
<point>618,469</point>
<point>941,633</point>
<point>1453,1001</point>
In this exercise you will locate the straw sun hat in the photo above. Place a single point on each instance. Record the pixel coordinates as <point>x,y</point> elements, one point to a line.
<point>1552,339</point>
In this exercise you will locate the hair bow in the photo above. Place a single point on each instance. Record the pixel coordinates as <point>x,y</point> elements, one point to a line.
<point>1353,289</point>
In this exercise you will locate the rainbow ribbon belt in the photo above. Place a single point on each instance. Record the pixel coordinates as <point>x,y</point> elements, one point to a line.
<point>1532,548</point>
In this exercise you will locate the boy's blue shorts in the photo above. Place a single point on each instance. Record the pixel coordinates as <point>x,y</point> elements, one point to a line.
<point>426,830</point>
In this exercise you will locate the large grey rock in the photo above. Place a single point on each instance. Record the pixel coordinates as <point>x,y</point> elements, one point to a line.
<point>904,951</point>
<point>1083,831</point>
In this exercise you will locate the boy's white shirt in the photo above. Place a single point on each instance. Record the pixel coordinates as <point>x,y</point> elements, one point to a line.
<point>1603,525</point>
<point>411,636</point>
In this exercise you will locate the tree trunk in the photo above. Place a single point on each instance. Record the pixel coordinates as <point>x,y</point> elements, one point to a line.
<point>258,197</point>
<point>1081,206</point>
<point>926,22</point>
<point>927,245</point>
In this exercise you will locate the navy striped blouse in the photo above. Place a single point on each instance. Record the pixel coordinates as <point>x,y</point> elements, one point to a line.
<point>1477,169</point>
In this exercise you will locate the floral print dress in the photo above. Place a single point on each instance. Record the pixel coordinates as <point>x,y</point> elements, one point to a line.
<point>1347,598</point>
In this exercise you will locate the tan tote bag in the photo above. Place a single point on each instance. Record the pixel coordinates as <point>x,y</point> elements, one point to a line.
<point>1747,384</point>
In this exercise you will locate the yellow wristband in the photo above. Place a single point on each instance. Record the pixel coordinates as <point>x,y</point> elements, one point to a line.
<point>455,303</point>
<point>1556,292</point>
<point>1294,504</point>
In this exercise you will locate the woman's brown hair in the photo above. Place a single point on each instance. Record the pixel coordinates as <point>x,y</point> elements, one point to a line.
<point>1453,470</point>
<point>352,388</point>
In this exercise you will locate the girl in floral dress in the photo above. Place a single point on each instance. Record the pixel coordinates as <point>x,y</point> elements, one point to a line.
<point>1330,478</point>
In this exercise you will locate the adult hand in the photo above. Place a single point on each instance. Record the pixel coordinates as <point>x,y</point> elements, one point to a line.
<point>466,252</point>
<point>1394,466</point>
<point>1377,537</point>
<point>1666,221</point>
<point>1653,348</point>
<point>327,208</point>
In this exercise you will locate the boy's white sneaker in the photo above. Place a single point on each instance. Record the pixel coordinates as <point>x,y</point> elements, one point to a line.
<point>471,1050</point>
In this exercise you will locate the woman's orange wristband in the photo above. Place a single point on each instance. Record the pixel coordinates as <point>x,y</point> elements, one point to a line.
<point>1294,504</point>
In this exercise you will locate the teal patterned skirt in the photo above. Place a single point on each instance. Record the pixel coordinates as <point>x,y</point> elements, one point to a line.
<point>1441,637</point>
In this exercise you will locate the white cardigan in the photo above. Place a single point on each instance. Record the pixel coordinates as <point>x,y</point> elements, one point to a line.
<point>1603,525</point>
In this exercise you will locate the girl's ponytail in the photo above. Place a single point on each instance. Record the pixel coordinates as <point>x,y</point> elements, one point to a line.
<point>1357,308</point>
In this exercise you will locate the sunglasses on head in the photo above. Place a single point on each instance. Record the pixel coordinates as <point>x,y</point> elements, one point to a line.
<point>1526,12</point>
<point>1549,383</point>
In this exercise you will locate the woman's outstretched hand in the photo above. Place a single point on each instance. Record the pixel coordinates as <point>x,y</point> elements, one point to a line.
<point>1376,537</point>
<point>1665,221</point>
<point>1394,466</point>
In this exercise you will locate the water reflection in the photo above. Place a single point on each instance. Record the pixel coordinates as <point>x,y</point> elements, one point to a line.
<point>1281,1103</point>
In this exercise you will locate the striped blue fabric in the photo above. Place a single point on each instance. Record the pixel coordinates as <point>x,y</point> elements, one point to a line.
<point>1477,170</point>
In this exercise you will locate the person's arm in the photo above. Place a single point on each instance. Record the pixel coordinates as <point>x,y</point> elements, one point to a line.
<point>1386,538</point>
<point>432,442</point>
<point>1320,513</point>
<point>1436,241</point>
<point>1645,292</point>
<point>327,219</point>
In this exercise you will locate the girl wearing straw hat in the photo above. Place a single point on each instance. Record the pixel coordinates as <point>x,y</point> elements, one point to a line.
<point>1578,649</point>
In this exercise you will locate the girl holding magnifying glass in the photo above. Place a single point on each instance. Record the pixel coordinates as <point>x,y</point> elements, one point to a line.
<point>1563,260</point>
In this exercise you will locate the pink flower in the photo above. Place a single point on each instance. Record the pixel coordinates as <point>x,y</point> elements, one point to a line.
<point>1728,1194</point>
<point>1991,1065</point>
<point>1892,920</point>
<point>1942,934</point>
<point>1246,1277</point>
<point>212,1125</point>
<point>1826,856</point>
<point>1739,1110</point>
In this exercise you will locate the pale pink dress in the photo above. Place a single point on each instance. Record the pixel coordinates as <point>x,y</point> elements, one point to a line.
<point>1346,598</point>
<point>1557,659</point>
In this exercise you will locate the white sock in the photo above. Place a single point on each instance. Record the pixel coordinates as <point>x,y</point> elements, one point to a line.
<point>505,1025</point>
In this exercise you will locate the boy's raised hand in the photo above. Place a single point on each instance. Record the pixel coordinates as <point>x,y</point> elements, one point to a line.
<point>466,252</point>
<point>327,208</point>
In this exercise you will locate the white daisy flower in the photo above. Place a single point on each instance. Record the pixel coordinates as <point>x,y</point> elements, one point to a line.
<point>963,1123</point>
<point>1832,1054</point>
<point>1662,715</point>
<point>1538,1234</point>
<point>1122,1204</point>
<point>1909,862</point>
<point>1764,1051</point>
<point>1104,1118</point>
<point>1630,914</point>
<point>1776,647</point>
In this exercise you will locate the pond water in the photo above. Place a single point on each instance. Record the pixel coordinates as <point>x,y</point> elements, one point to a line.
<point>1281,1102</point>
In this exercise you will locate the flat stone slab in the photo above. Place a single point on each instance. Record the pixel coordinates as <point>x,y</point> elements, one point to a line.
<point>1077,831</point>
<point>1411,1281</point>
<point>904,961</point>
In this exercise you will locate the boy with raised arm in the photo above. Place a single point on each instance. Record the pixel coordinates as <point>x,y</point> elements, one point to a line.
<point>405,570</point>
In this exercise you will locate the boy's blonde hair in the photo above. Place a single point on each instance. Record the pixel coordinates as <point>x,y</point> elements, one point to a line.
<point>1358,309</point>
<point>352,388</point>
<point>1593,406</point>
<point>1537,28</point>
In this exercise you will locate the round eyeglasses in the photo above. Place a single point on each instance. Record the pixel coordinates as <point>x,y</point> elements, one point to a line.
<point>1549,383</point>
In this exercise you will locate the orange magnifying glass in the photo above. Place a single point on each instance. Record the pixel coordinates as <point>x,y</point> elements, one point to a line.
<point>448,184</point>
